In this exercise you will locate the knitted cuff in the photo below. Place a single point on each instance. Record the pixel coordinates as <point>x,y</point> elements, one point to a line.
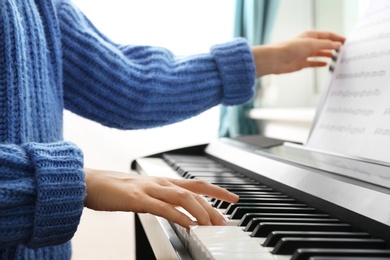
<point>60,192</point>
<point>236,65</point>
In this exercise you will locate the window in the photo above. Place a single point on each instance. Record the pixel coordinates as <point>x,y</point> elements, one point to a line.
<point>302,89</point>
<point>184,27</point>
<point>286,103</point>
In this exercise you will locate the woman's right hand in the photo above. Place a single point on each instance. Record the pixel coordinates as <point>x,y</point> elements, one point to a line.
<point>117,191</point>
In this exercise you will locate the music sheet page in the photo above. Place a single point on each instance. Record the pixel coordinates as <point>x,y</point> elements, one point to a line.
<point>354,118</point>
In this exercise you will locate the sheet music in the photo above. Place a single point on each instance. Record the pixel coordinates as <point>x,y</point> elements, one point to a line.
<point>354,118</point>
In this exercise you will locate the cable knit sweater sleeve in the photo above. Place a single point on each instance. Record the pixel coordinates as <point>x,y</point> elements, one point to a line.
<point>130,87</point>
<point>41,193</point>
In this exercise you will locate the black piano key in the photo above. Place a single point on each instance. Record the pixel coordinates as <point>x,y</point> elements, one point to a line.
<point>260,193</point>
<point>201,175</point>
<point>184,170</point>
<point>191,175</point>
<point>264,229</point>
<point>202,167</point>
<point>247,187</point>
<point>225,204</point>
<point>255,221</point>
<point>271,195</point>
<point>236,189</point>
<point>347,258</point>
<point>306,253</point>
<point>249,216</point>
<point>206,165</point>
<point>218,177</point>
<point>232,207</point>
<point>241,211</point>
<point>175,158</point>
<point>239,188</point>
<point>227,180</point>
<point>287,246</point>
<point>275,236</point>
<point>201,161</point>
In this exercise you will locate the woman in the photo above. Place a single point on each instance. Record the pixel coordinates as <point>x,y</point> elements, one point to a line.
<point>51,58</point>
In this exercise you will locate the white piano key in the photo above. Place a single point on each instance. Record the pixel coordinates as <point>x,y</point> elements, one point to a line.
<point>231,222</point>
<point>240,255</point>
<point>226,242</point>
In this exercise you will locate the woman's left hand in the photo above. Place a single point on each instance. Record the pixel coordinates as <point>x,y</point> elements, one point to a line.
<point>297,53</point>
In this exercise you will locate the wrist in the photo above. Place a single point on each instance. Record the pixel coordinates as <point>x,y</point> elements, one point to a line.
<point>88,183</point>
<point>266,57</point>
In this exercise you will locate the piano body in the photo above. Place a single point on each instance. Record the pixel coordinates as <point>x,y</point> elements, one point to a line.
<point>295,203</point>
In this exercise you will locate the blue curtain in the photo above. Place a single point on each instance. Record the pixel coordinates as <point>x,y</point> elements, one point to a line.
<point>253,20</point>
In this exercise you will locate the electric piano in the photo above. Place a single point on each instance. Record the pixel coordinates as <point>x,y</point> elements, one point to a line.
<point>295,203</point>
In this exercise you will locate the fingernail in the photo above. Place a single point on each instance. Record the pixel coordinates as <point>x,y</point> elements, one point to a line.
<point>192,223</point>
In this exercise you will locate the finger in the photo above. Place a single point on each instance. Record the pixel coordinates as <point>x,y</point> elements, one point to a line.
<point>167,211</point>
<point>314,64</point>
<point>216,218</point>
<point>324,53</point>
<point>188,200</point>
<point>205,188</point>
<point>324,35</point>
<point>213,216</point>
<point>330,36</point>
<point>321,45</point>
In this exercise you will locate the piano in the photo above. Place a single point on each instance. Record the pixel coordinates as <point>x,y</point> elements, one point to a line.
<point>295,203</point>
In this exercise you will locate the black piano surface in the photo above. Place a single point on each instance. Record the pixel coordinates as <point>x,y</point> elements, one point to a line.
<point>300,203</point>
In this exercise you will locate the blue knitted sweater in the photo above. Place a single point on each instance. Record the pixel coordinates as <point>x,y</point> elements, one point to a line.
<point>51,58</point>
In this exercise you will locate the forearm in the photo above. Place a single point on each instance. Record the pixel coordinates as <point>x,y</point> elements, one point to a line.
<point>132,87</point>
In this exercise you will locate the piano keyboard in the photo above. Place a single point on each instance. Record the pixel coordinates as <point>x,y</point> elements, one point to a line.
<point>268,224</point>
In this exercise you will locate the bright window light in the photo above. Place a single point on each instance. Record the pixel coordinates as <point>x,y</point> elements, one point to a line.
<point>183,26</point>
